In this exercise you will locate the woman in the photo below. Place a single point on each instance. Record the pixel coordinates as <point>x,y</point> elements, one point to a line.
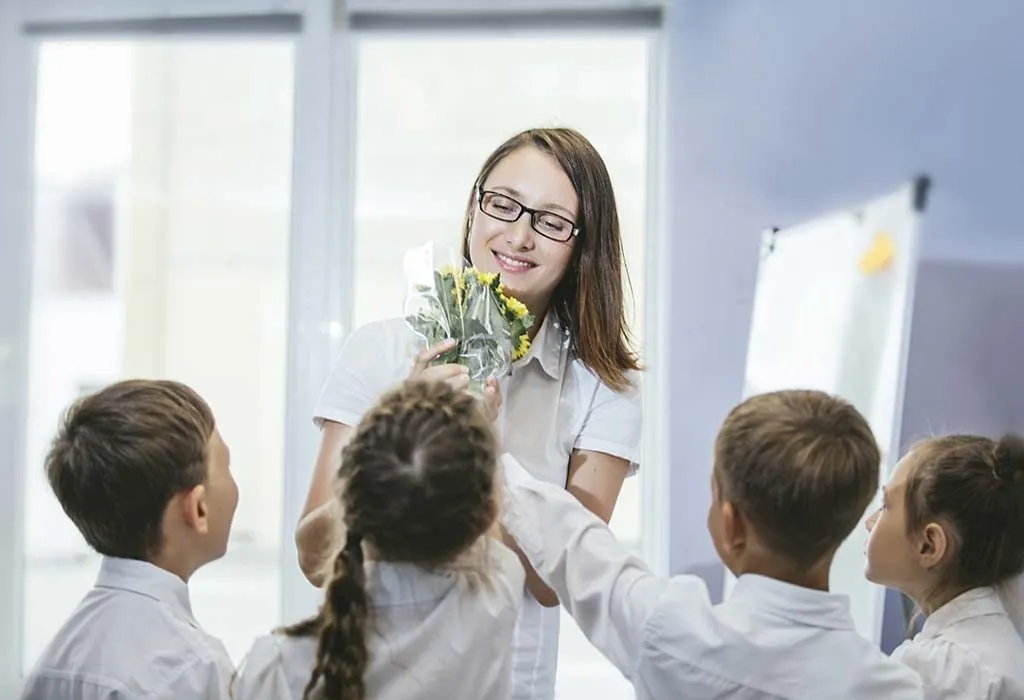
<point>541,213</point>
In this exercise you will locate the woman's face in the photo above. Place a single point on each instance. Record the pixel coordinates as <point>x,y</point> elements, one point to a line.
<point>531,265</point>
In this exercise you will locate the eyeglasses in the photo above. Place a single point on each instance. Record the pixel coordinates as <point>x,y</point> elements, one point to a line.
<point>504,208</point>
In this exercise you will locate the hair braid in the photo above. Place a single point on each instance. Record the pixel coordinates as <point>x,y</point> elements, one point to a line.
<point>341,654</point>
<point>416,481</point>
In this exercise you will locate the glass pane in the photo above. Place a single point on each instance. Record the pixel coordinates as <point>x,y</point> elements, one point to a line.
<point>429,112</point>
<point>163,179</point>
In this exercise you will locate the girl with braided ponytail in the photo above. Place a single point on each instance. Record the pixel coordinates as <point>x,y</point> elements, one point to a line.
<point>419,603</point>
<point>950,535</point>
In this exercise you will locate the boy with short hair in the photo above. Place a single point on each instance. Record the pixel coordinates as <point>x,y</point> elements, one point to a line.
<point>794,472</point>
<point>142,471</point>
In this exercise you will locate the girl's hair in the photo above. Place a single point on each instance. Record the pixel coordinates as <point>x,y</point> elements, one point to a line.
<point>416,485</point>
<point>975,487</point>
<point>590,298</point>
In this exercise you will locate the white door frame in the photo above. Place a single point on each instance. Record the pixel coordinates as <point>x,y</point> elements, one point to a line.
<point>17,91</point>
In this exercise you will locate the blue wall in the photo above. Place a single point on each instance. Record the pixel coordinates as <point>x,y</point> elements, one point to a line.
<point>779,111</point>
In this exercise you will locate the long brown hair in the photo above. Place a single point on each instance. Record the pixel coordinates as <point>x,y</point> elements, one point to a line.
<point>417,485</point>
<point>975,486</point>
<point>590,299</point>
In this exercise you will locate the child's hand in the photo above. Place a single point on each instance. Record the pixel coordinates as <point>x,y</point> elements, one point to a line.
<point>457,376</point>
<point>492,399</point>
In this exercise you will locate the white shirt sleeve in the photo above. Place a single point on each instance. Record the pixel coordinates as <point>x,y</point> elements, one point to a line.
<point>614,424</point>
<point>372,360</point>
<point>610,593</point>
<point>949,672</point>
<point>262,675</point>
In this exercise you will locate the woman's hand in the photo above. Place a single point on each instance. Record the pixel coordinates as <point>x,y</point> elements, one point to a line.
<point>457,376</point>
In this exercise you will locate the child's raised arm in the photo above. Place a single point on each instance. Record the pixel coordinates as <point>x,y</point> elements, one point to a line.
<point>609,592</point>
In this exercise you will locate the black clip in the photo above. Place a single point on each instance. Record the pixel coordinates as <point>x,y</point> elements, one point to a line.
<point>768,239</point>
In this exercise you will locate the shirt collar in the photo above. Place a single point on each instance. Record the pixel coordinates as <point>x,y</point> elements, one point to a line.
<point>977,602</point>
<point>549,347</point>
<point>802,606</point>
<point>391,584</point>
<point>143,578</point>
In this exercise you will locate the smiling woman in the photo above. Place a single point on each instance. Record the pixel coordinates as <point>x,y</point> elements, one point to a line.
<point>548,168</point>
<point>571,410</point>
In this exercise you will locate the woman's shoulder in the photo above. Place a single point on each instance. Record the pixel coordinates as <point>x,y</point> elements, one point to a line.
<point>581,373</point>
<point>378,346</point>
<point>592,391</point>
<point>382,332</point>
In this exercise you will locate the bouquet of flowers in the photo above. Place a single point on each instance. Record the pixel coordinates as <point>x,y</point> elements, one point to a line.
<point>471,307</point>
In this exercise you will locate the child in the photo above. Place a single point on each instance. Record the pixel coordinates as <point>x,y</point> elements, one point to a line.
<point>950,532</point>
<point>415,618</point>
<point>794,472</point>
<point>143,472</point>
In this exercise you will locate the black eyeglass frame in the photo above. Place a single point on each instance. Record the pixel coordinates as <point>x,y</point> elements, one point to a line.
<point>523,209</point>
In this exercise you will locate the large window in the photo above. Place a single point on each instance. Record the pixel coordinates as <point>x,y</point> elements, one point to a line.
<point>429,111</point>
<point>162,206</point>
<point>164,241</point>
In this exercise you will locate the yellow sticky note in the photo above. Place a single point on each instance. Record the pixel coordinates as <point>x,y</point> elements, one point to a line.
<point>879,256</point>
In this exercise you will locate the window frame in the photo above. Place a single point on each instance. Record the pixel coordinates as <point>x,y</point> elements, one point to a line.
<point>322,221</point>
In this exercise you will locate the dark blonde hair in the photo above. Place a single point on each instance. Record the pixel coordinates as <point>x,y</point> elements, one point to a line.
<point>417,485</point>
<point>801,466</point>
<point>590,299</point>
<point>120,455</point>
<point>974,486</point>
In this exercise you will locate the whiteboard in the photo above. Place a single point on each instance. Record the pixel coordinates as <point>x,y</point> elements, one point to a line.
<point>832,311</point>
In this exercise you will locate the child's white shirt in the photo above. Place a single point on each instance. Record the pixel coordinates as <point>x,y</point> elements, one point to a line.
<point>968,650</point>
<point>769,641</point>
<point>132,636</point>
<point>552,405</point>
<point>432,634</point>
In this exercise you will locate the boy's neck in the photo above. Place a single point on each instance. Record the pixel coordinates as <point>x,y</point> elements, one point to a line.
<point>177,563</point>
<point>815,578</point>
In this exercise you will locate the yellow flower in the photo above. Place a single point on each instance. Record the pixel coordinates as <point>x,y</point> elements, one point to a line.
<point>522,348</point>
<point>517,307</point>
<point>486,277</point>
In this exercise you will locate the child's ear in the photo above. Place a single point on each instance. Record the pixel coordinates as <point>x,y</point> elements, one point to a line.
<point>734,527</point>
<point>932,546</point>
<point>194,509</point>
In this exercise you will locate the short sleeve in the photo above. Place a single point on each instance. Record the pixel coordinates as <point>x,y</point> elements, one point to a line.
<point>614,424</point>
<point>374,358</point>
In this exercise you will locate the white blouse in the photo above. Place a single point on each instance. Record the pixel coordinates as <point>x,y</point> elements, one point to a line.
<point>432,635</point>
<point>769,641</point>
<point>968,650</point>
<point>551,405</point>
